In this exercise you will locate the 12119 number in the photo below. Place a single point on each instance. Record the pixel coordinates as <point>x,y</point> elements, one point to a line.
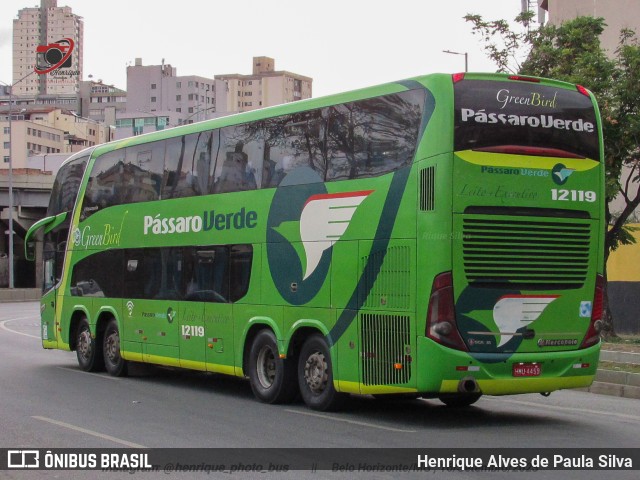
<point>573,195</point>
<point>192,330</point>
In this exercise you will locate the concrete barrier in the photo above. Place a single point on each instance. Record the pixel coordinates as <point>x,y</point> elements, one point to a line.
<point>19,295</point>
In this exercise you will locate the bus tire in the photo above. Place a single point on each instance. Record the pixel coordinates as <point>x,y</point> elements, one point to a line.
<point>315,376</point>
<point>460,400</point>
<point>272,379</point>
<point>88,351</point>
<point>113,361</point>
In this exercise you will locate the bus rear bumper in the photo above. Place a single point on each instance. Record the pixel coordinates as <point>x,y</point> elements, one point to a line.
<point>452,371</point>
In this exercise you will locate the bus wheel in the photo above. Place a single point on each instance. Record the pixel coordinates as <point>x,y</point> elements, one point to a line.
<point>88,351</point>
<point>272,378</point>
<point>113,361</point>
<point>315,375</point>
<point>460,400</point>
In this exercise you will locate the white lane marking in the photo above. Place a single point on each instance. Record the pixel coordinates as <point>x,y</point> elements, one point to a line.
<point>90,432</point>
<point>4,327</point>
<point>625,416</point>
<point>353,422</point>
<point>97,375</point>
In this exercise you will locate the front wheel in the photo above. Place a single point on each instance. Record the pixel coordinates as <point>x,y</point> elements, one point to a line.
<point>113,361</point>
<point>315,376</point>
<point>272,378</point>
<point>88,351</point>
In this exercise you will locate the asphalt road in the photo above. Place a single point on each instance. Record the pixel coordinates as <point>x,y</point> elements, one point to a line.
<point>47,402</point>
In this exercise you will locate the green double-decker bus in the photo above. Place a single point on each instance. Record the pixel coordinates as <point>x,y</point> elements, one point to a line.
<point>437,237</point>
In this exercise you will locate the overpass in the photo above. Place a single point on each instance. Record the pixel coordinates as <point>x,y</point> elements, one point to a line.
<point>31,191</point>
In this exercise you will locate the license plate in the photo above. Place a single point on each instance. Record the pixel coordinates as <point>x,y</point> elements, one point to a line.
<point>527,369</point>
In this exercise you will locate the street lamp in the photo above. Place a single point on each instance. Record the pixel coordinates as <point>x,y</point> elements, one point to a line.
<point>11,282</point>
<point>466,58</point>
<point>198,112</point>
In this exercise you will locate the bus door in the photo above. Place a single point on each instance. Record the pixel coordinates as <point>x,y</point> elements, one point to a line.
<point>153,298</point>
<point>231,283</point>
<point>54,247</point>
<point>206,304</point>
<point>53,253</point>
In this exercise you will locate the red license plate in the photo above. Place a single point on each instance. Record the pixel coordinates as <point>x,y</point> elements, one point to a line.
<point>527,369</point>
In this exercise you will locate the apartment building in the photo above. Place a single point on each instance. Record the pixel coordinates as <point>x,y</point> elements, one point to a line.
<point>158,98</point>
<point>38,41</point>
<point>47,131</point>
<point>101,102</point>
<point>265,87</point>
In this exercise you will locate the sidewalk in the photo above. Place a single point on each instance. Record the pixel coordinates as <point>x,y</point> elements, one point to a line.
<point>614,382</point>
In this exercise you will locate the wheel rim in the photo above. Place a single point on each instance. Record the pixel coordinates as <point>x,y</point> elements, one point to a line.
<point>84,344</point>
<point>266,367</point>
<point>316,372</point>
<point>112,347</point>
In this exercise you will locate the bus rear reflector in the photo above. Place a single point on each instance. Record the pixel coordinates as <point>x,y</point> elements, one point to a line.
<point>595,325</point>
<point>441,314</point>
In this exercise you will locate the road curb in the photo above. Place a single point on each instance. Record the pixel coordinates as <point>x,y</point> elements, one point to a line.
<point>615,382</point>
<point>620,357</point>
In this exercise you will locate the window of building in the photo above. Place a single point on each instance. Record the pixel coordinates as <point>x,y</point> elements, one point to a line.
<point>153,99</point>
<point>153,86</point>
<point>178,98</point>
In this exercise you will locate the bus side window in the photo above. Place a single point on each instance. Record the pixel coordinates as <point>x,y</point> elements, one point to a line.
<point>241,259</point>
<point>239,163</point>
<point>143,172</point>
<point>208,279</point>
<point>105,184</point>
<point>98,275</point>
<point>179,167</point>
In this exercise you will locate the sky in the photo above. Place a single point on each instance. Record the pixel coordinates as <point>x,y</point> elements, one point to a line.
<point>341,44</point>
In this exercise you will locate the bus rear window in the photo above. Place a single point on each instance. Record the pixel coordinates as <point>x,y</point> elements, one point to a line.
<point>524,118</point>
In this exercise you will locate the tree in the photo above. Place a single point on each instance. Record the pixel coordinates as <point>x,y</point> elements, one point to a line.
<point>572,52</point>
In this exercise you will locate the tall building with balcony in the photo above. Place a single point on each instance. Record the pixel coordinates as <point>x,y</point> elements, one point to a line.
<point>265,87</point>
<point>158,98</point>
<point>37,35</point>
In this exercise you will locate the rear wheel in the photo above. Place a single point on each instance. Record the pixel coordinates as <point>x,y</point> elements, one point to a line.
<point>88,351</point>
<point>315,375</point>
<point>272,378</point>
<point>113,361</point>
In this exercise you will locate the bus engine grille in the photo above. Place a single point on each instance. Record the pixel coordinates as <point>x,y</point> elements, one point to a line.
<point>525,254</point>
<point>385,349</point>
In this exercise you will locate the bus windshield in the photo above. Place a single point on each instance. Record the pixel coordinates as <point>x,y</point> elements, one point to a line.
<point>524,117</point>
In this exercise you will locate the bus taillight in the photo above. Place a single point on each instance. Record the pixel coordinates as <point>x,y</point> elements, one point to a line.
<point>457,77</point>
<point>441,314</point>
<point>583,90</point>
<point>520,78</point>
<point>595,325</point>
